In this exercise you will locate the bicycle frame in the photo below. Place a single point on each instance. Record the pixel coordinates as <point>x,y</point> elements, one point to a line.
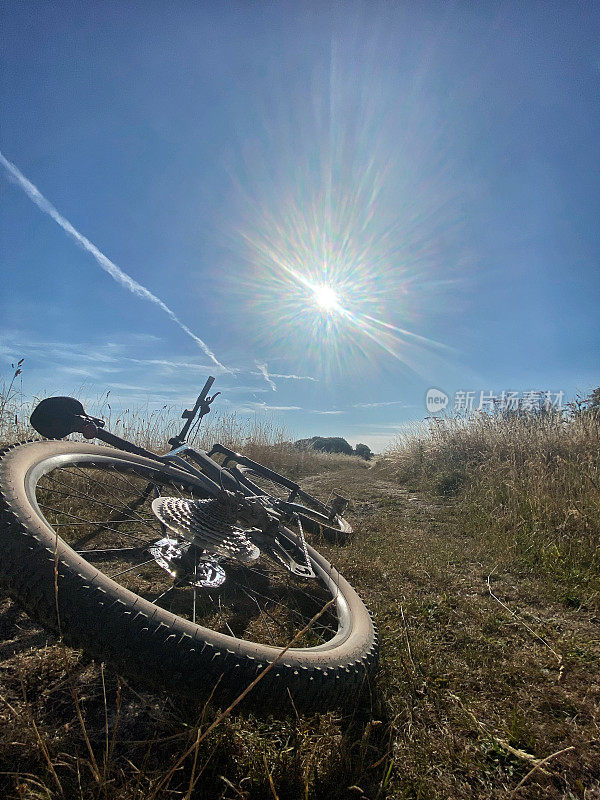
<point>210,474</point>
<point>214,476</point>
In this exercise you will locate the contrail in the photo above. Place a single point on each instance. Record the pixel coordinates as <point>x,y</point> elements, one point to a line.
<point>107,265</point>
<point>293,377</point>
<point>266,376</point>
<point>286,377</point>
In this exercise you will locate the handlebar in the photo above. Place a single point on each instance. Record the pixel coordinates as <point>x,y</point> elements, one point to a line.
<point>202,405</point>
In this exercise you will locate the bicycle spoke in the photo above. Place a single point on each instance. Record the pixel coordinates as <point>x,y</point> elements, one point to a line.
<point>266,612</point>
<point>262,602</point>
<point>303,618</point>
<point>111,550</point>
<point>121,475</point>
<point>163,594</point>
<point>101,528</point>
<point>83,520</point>
<point>95,521</point>
<point>220,613</point>
<point>317,601</point>
<point>194,595</point>
<point>130,569</point>
<point>91,499</point>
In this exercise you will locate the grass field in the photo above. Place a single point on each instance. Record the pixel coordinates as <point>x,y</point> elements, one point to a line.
<point>476,546</point>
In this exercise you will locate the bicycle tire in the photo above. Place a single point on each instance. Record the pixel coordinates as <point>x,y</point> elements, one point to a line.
<point>63,591</point>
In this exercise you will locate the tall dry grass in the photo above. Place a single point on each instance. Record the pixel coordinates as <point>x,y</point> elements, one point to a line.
<point>260,437</point>
<point>528,484</point>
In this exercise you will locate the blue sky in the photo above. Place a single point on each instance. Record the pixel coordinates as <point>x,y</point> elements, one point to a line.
<point>435,164</point>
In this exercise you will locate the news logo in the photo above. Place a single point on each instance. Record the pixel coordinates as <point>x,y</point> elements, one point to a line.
<point>436,400</point>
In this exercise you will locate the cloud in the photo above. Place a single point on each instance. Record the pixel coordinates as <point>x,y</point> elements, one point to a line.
<point>165,362</point>
<point>246,390</point>
<point>93,352</point>
<point>79,372</point>
<point>107,265</point>
<point>265,407</point>
<point>252,407</point>
<point>294,377</point>
<point>266,376</point>
<point>281,408</point>
<point>378,405</point>
<point>327,412</point>
<point>144,390</point>
<point>407,425</point>
<point>285,377</point>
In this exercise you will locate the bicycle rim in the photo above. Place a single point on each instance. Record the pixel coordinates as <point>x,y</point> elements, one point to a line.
<point>53,565</point>
<point>102,511</point>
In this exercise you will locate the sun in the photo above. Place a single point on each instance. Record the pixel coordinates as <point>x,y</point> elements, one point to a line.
<point>325,298</point>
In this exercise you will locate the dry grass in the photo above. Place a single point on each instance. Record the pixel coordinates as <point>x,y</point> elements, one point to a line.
<point>528,485</point>
<point>489,684</point>
<point>262,438</point>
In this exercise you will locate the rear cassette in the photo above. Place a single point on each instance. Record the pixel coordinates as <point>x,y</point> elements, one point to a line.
<point>207,524</point>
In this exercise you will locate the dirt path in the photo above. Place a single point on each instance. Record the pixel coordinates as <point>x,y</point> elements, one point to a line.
<point>484,672</point>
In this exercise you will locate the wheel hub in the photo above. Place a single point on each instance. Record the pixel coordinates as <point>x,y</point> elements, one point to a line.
<point>184,562</point>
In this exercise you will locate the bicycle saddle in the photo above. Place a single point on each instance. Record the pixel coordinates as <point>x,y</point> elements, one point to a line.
<point>57,417</point>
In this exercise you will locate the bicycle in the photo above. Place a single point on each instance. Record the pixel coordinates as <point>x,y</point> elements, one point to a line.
<point>183,571</point>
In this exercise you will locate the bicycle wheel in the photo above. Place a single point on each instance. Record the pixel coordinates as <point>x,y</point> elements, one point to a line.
<point>85,555</point>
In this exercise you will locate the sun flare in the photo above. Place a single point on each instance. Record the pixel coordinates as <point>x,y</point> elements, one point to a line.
<point>325,298</point>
